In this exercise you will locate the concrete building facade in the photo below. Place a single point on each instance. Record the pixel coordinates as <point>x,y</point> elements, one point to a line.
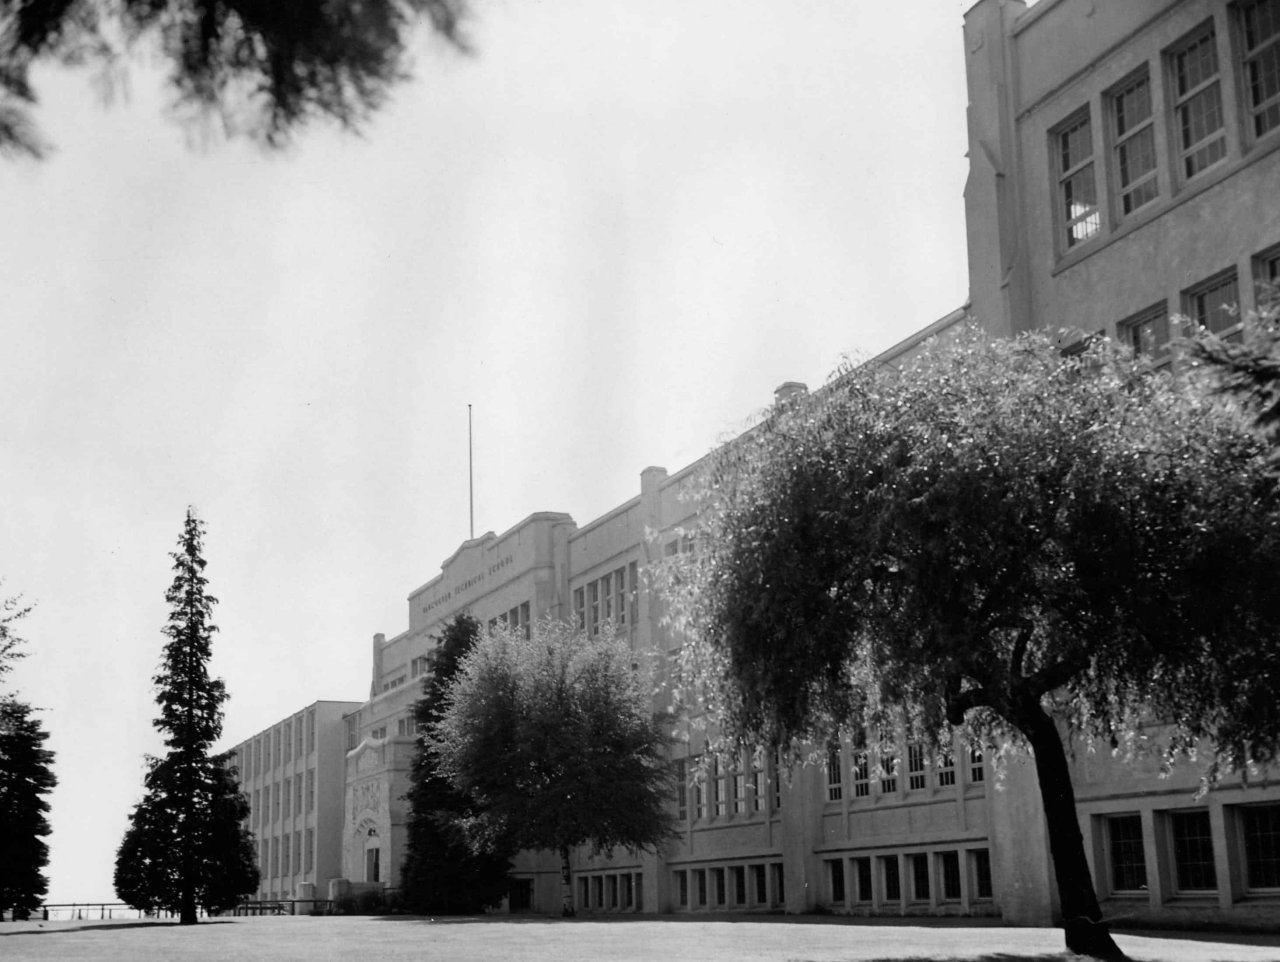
<point>293,775</point>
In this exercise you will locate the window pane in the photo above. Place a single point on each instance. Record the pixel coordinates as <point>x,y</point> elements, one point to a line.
<point>892,880</point>
<point>950,863</point>
<point>1193,851</point>
<point>1261,824</point>
<point>1128,862</point>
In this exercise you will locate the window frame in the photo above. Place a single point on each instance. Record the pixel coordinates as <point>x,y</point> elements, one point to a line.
<point>1250,112</point>
<point>1119,141</point>
<point>1172,820</point>
<point>1161,351</point>
<point>1200,289</point>
<point>1114,865</point>
<point>1180,100</point>
<point>1064,175</point>
<point>1247,852</point>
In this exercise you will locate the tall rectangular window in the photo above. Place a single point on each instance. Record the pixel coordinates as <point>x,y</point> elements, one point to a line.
<point>861,879</point>
<point>1213,303</point>
<point>297,852</point>
<point>593,608</point>
<point>620,601</point>
<point>1134,135</point>
<point>288,796</point>
<point>835,873</point>
<point>606,597</point>
<point>760,884</point>
<point>946,766</point>
<point>682,887</point>
<point>311,789</point>
<point>779,884</point>
<point>738,875</point>
<point>580,608</point>
<point>757,782</point>
<point>288,740</point>
<point>1077,189</point>
<point>1193,851</point>
<point>700,885</point>
<point>835,791</point>
<point>860,765</point>
<point>919,877</point>
<point>1260,832</point>
<point>700,795</point>
<point>1260,38</point>
<point>980,861</point>
<point>633,584</point>
<point>891,876</point>
<point>949,870</point>
<point>1128,861</point>
<point>739,792</point>
<point>916,778</point>
<point>976,773</point>
<point>1197,106</point>
<point>284,854</point>
<point>311,851</point>
<point>889,773</point>
<point>720,798</point>
<point>718,887</point>
<point>1147,332</point>
<point>311,730</point>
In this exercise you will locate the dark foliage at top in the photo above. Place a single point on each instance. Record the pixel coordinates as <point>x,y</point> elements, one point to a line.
<point>265,66</point>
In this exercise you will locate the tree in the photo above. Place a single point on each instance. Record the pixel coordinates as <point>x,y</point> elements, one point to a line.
<point>552,739</point>
<point>265,67</point>
<point>186,845</point>
<point>26,777</point>
<point>999,538</point>
<point>442,874</point>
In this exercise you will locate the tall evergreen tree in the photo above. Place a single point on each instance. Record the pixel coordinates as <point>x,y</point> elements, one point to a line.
<point>186,845</point>
<point>441,874</point>
<point>26,776</point>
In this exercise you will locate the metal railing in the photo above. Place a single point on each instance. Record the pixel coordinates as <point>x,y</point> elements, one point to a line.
<point>97,911</point>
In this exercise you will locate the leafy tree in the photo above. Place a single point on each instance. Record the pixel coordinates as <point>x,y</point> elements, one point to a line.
<point>999,538</point>
<point>26,776</point>
<point>442,874</point>
<point>186,846</point>
<point>269,67</point>
<point>552,739</point>
<point>1249,369</point>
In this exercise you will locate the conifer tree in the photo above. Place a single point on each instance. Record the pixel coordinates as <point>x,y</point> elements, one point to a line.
<point>26,776</point>
<point>441,874</point>
<point>186,845</point>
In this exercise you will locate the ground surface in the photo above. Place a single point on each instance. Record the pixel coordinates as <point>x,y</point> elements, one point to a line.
<point>389,939</point>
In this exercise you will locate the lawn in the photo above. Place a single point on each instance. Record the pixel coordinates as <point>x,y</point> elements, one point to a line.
<point>533,939</point>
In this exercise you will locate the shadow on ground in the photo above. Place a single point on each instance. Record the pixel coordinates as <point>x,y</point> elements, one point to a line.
<point>55,929</point>
<point>735,918</point>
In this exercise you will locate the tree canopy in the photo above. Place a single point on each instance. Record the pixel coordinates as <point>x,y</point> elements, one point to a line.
<point>553,739</point>
<point>442,874</point>
<point>186,845</point>
<point>997,536</point>
<point>264,68</point>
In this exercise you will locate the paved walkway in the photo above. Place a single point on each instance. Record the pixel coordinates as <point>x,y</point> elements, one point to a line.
<point>530,939</point>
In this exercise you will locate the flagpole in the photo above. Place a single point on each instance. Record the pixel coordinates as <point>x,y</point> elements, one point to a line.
<point>471,486</point>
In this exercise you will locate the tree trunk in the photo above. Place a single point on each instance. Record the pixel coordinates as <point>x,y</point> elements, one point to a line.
<point>566,889</point>
<point>1086,933</point>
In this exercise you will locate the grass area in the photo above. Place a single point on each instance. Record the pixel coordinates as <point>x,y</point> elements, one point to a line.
<point>537,939</point>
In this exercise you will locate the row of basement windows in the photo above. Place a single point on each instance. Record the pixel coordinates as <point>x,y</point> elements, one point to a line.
<point>1212,304</point>
<point>284,855</point>
<point>622,891</point>
<point>1185,849</point>
<point>288,739</point>
<point>611,598</point>
<point>899,879</point>
<point>283,799</point>
<point>757,885</point>
<point>1205,116</point>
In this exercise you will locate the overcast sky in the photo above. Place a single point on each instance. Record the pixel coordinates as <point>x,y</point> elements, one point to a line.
<point>613,231</point>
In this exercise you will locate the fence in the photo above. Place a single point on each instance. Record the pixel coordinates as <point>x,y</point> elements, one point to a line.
<point>81,911</point>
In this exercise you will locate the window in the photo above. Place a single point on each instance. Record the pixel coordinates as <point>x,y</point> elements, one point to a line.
<point>980,863</point>
<point>860,767</point>
<point>757,782</point>
<point>1260,38</point>
<point>597,891</point>
<point>1212,303</point>
<point>297,795</point>
<point>779,885</point>
<point>612,889</point>
<point>718,887</point>
<point>311,850</point>
<point>1134,136</point>
<point>1193,851</point>
<point>297,736</point>
<point>720,788</point>
<point>352,723</point>
<point>633,583</point>
<point>288,740</point>
<point>311,789</point>
<point>682,887</point>
<point>739,876</point>
<point>680,777</point>
<point>1197,106</point>
<point>379,732</point>
<point>919,877</point>
<point>620,602</point>
<point>916,777</point>
<point>891,874</point>
<point>297,852</point>
<point>284,854</point>
<point>311,730</point>
<point>1260,832</point>
<point>761,886</point>
<point>579,607</point>
<point>946,765</point>
<point>1077,192</point>
<point>835,874</point>
<point>1128,862</point>
<point>1266,276</point>
<point>976,773</point>
<point>700,885</point>
<point>1147,332</point>
<point>739,792</point>
<point>949,870</point>
<point>288,796</point>
<point>777,779</point>
<point>628,891</point>
<point>606,596</point>
<point>889,773</point>
<point>835,791</point>
<point>861,879</point>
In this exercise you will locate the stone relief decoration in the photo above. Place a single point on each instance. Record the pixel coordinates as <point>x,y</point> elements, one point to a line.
<point>366,797</point>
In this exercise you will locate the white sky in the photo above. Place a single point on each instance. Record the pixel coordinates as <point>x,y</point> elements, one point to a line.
<point>614,232</point>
